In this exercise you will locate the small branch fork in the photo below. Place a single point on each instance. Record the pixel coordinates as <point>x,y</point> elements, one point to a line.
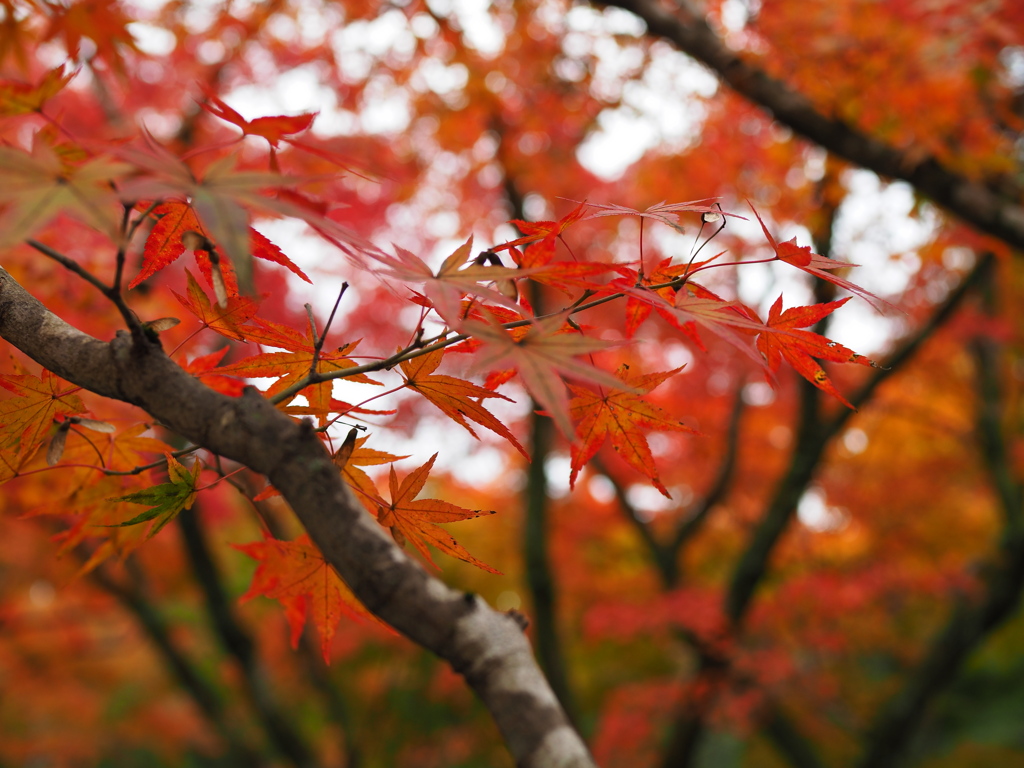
<point>320,337</point>
<point>113,292</point>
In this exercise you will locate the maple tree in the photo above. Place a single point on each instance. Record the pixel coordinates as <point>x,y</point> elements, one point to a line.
<point>768,547</point>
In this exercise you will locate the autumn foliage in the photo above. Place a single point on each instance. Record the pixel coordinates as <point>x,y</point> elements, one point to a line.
<point>751,505</point>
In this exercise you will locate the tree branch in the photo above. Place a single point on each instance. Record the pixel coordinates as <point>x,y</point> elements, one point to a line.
<point>813,437</point>
<point>539,575</point>
<point>238,644</point>
<point>664,559</point>
<point>187,675</point>
<point>723,481</point>
<point>684,26</point>
<point>790,743</point>
<point>972,620</point>
<point>483,645</point>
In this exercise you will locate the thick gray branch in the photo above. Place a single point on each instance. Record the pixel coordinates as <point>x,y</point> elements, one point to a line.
<point>485,646</point>
<point>992,213</point>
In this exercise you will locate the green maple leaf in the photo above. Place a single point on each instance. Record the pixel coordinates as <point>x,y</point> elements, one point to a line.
<point>167,499</point>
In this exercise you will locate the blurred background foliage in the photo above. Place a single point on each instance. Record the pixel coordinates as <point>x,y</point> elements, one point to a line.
<point>871,560</point>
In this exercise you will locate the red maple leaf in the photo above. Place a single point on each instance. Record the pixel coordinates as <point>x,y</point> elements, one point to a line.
<point>273,129</point>
<point>454,396</point>
<point>639,307</point>
<point>812,263</point>
<point>201,368</point>
<point>165,244</point>
<point>296,575</point>
<point>569,275</point>
<point>543,234</point>
<point>799,348</point>
<point>415,520</point>
<point>621,415</point>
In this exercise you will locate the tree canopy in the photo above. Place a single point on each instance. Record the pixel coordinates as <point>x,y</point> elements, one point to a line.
<point>439,384</point>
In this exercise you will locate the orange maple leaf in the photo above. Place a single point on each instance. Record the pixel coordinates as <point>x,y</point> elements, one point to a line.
<point>453,396</point>
<point>19,98</point>
<point>96,501</point>
<point>296,575</point>
<point>799,348</point>
<point>132,448</point>
<point>621,415</point>
<point>292,366</point>
<point>226,320</point>
<point>25,420</point>
<point>357,479</point>
<point>416,520</point>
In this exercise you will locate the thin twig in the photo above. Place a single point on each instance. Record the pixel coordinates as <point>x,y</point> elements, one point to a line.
<point>71,265</point>
<point>334,310</point>
<point>111,293</point>
<point>416,349</point>
<point>122,249</point>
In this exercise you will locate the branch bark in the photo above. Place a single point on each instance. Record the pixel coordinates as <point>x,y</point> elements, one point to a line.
<point>484,646</point>
<point>684,26</point>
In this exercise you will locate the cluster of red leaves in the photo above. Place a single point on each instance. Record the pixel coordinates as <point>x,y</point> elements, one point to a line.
<point>204,202</point>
